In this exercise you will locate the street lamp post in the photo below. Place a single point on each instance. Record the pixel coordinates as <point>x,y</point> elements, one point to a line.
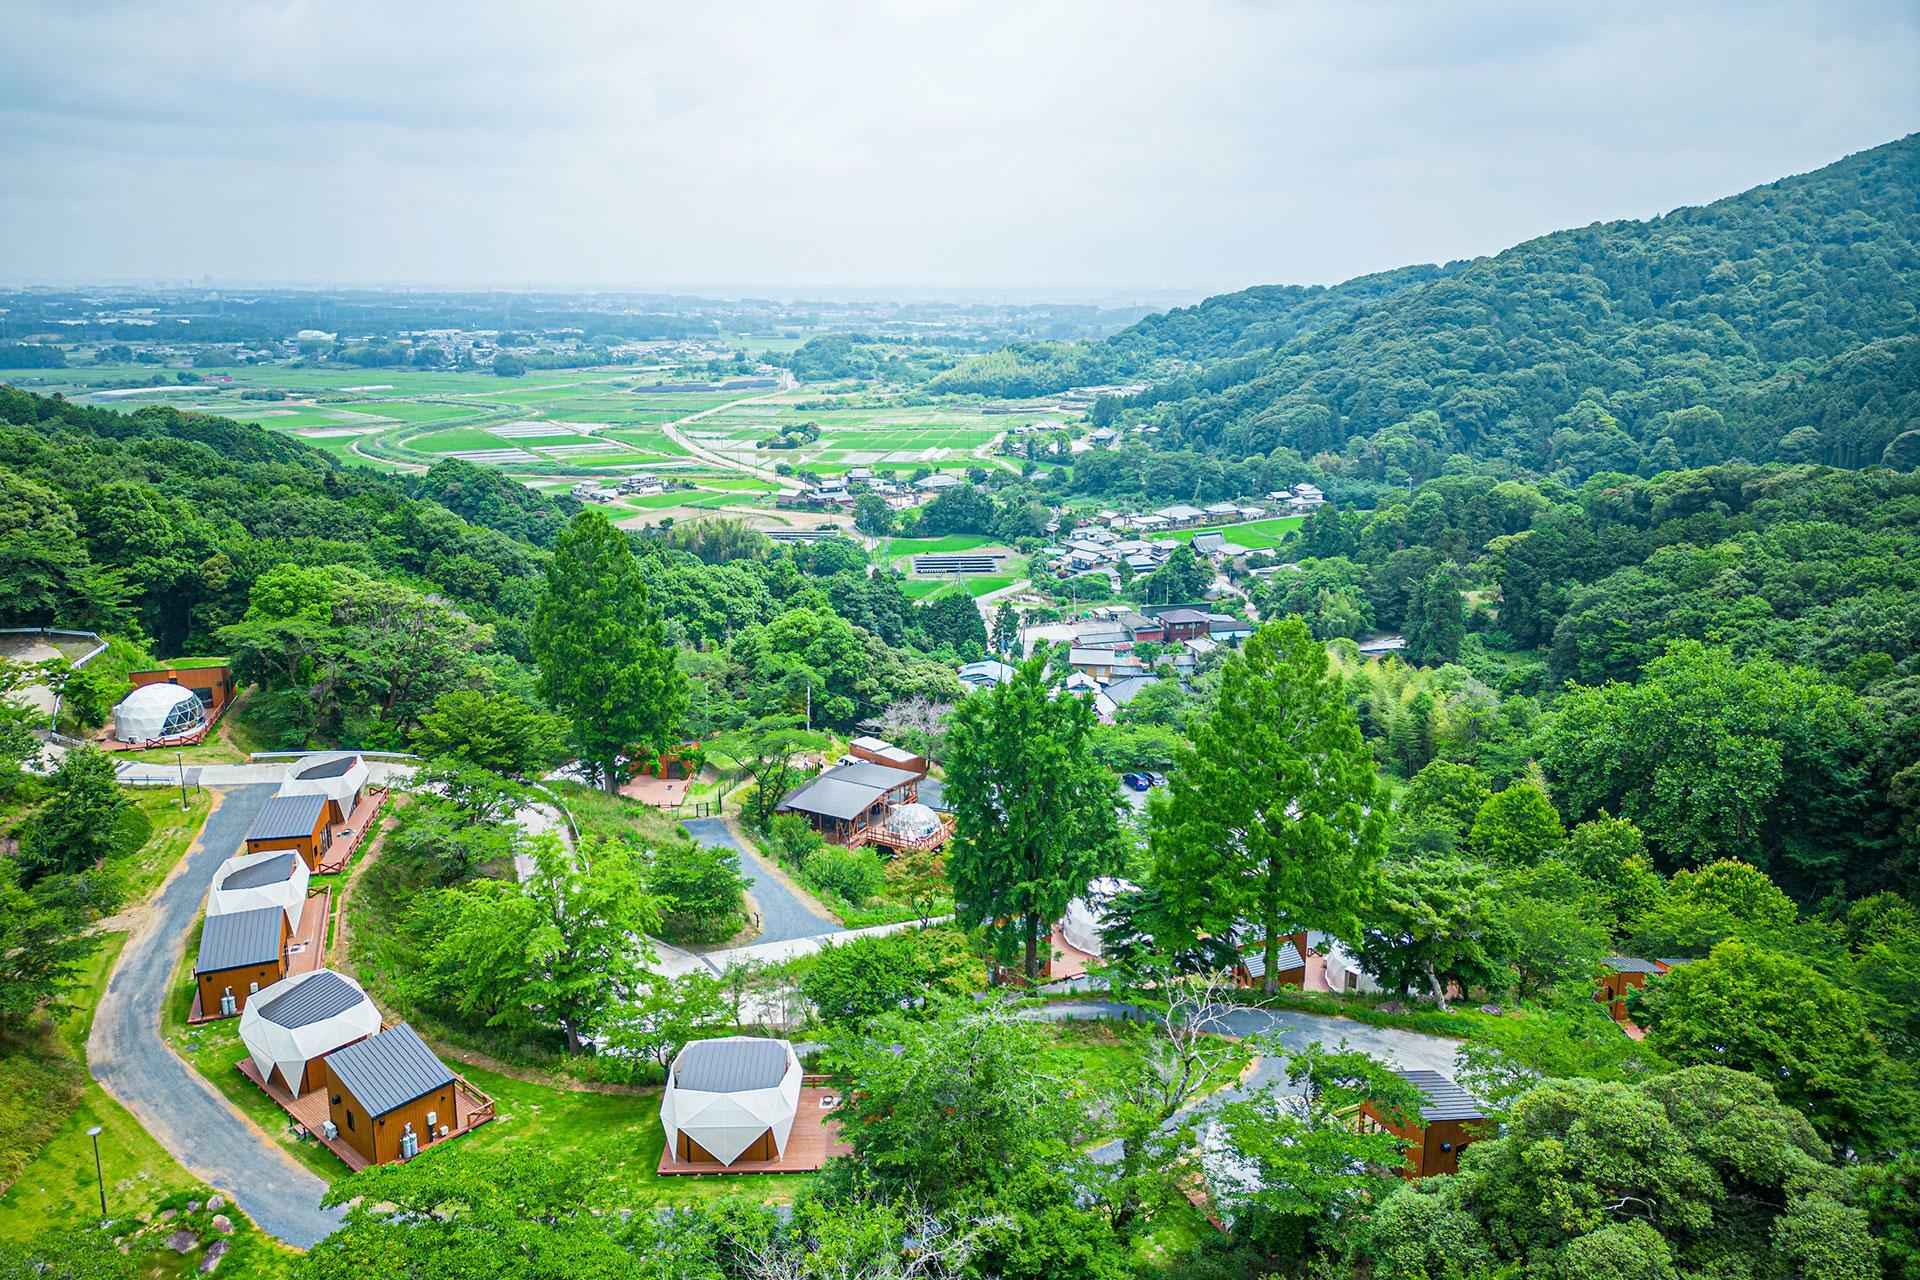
<point>180,758</point>
<point>98,1174</point>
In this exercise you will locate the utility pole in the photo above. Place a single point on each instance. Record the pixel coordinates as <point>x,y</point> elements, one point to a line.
<point>180,758</point>
<point>809,706</point>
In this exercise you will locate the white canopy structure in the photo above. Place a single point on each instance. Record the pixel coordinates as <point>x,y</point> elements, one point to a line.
<point>290,1025</point>
<point>726,1095</point>
<point>1086,915</point>
<point>339,777</point>
<point>275,878</point>
<point>913,821</point>
<point>158,711</point>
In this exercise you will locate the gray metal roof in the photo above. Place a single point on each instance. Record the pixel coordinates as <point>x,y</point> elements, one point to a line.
<point>867,774</point>
<point>388,1070</point>
<point>1254,958</point>
<point>831,798</point>
<point>1441,1098</point>
<point>316,999</point>
<point>287,817</point>
<point>1183,615</point>
<point>1123,691</point>
<point>242,938</point>
<point>1630,964</point>
<point>730,1066</point>
<point>274,870</point>
<point>329,768</point>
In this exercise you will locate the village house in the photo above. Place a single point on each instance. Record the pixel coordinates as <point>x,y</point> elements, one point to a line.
<point>870,797</point>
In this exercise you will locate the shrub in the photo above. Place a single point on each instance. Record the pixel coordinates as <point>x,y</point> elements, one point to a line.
<point>854,874</point>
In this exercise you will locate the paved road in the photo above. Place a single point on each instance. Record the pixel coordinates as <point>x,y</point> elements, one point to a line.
<point>1396,1048</point>
<point>180,1109</point>
<point>672,431</point>
<point>783,917</point>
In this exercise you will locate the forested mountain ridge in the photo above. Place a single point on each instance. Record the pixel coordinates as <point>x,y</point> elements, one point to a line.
<point>1774,324</point>
<point>1256,319</point>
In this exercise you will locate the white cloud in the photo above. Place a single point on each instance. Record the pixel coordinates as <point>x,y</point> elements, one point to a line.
<point>895,144</point>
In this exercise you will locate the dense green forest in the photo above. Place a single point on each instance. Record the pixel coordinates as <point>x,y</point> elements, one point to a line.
<point>1616,346</point>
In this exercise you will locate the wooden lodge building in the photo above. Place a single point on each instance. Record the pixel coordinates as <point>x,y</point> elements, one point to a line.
<point>1449,1122</point>
<point>871,797</point>
<point>297,822</point>
<point>240,954</point>
<point>1250,970</point>
<point>389,1096</point>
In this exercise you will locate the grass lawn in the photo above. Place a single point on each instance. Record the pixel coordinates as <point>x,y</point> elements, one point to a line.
<point>171,830</point>
<point>56,1190</point>
<point>1255,535</point>
<point>458,440</point>
<point>895,548</point>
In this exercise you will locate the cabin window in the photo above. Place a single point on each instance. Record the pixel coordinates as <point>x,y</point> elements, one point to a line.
<point>349,1119</point>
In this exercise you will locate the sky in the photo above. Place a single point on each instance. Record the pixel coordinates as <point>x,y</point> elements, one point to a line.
<point>1064,148</point>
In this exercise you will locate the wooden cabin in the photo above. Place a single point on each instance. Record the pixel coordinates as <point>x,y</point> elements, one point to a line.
<point>1620,974</point>
<point>1250,969</point>
<point>1449,1122</point>
<point>297,822</point>
<point>881,752</point>
<point>389,1096</point>
<point>240,954</point>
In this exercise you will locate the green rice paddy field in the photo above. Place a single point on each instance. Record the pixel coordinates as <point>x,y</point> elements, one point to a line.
<point>405,417</point>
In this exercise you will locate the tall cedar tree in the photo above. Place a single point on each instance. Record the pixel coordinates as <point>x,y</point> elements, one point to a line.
<point>1275,814</point>
<point>1034,810</point>
<point>602,649</point>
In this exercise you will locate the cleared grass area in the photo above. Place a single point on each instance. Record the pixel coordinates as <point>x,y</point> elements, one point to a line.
<point>895,548</point>
<point>1255,535</point>
<point>170,829</point>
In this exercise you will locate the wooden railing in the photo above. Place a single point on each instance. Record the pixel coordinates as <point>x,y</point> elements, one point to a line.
<point>878,834</point>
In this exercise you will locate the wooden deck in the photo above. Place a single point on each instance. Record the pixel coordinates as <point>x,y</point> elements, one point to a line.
<point>350,836</point>
<point>815,1136</point>
<point>309,1113</point>
<point>306,949</point>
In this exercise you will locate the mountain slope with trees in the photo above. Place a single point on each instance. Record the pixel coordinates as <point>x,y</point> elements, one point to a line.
<point>1774,324</point>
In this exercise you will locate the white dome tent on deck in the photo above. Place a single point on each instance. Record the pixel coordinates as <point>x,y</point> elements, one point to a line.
<point>274,878</point>
<point>731,1097</point>
<point>341,777</point>
<point>157,712</point>
<point>292,1024</point>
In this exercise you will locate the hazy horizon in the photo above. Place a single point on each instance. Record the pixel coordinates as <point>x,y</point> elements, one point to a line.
<point>1119,152</point>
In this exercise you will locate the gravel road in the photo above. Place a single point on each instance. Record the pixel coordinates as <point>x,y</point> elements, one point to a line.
<point>1396,1048</point>
<point>180,1109</point>
<point>783,917</point>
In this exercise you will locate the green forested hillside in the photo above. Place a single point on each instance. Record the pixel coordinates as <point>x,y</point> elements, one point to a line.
<point>1236,324</point>
<point>1774,324</point>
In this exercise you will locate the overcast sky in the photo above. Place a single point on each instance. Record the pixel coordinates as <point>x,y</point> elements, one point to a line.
<point>1035,148</point>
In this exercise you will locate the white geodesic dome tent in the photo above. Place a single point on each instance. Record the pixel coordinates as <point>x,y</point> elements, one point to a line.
<point>726,1094</point>
<point>1086,915</point>
<point>338,777</point>
<point>155,711</point>
<point>274,878</point>
<point>913,821</point>
<point>298,1019</point>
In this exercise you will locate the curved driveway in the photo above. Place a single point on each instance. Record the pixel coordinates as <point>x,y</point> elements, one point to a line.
<point>1285,1029</point>
<point>181,1110</point>
<point>783,916</point>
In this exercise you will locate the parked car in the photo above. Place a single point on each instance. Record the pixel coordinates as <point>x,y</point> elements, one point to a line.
<point>1138,781</point>
<point>1156,778</point>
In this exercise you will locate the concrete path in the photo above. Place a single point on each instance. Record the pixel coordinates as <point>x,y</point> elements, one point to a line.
<point>1292,1030</point>
<point>180,1109</point>
<point>783,916</point>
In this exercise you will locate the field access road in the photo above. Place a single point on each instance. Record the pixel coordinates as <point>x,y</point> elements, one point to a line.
<point>131,1060</point>
<point>783,916</point>
<point>672,431</point>
<point>1286,1029</point>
